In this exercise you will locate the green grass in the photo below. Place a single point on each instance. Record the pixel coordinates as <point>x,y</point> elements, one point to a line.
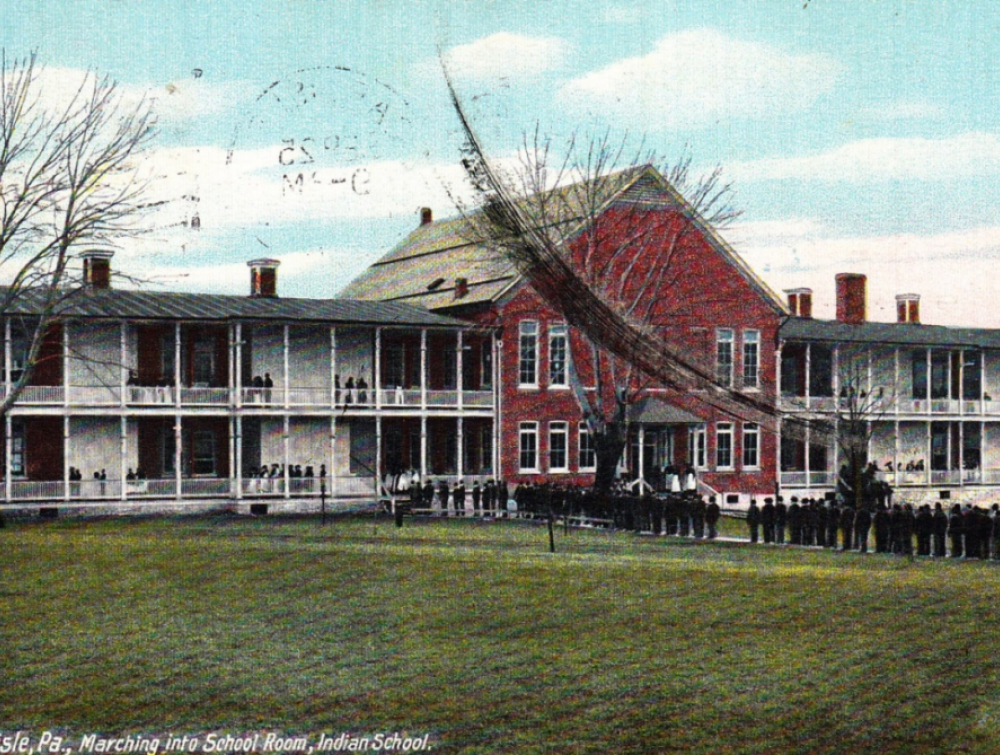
<point>475,633</point>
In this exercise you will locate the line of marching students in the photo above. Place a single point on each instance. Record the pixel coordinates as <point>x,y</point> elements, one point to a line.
<point>969,531</point>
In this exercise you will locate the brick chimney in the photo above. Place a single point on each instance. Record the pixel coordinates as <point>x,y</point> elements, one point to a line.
<point>264,278</point>
<point>426,216</point>
<point>461,287</point>
<point>852,298</point>
<point>97,268</point>
<point>800,301</point>
<point>908,308</point>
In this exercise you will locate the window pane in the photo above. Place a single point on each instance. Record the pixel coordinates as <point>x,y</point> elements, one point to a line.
<point>557,445</point>
<point>528,363</point>
<point>557,355</point>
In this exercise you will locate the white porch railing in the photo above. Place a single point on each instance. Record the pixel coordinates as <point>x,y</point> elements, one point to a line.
<point>94,395</point>
<point>200,396</point>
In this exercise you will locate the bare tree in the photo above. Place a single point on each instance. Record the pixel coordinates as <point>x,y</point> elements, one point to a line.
<point>69,181</point>
<point>597,249</point>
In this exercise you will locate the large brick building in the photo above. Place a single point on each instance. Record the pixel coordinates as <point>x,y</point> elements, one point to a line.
<point>708,304</point>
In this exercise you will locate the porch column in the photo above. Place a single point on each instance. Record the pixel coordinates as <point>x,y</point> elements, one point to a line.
<point>331,474</point>
<point>777,441</point>
<point>178,438</point>
<point>6,353</point>
<point>177,384</point>
<point>458,369</point>
<point>423,446</point>
<point>124,369</point>
<point>284,401</point>
<point>284,435</point>
<point>835,378</point>
<point>961,451</point>
<point>65,363</point>
<point>378,455</point>
<point>642,449</point>
<point>895,391</point>
<point>498,405</point>
<point>377,373</point>
<point>927,396</point>
<point>928,454</point>
<point>777,376</point>
<point>808,380</point>
<point>66,495</point>
<point>123,466</point>
<point>232,457</point>
<point>238,441</point>
<point>7,450</point>
<point>961,386</point>
<point>423,369</point>
<point>231,389</point>
<point>895,454</point>
<point>238,373</point>
<point>460,451</point>
<point>333,376</point>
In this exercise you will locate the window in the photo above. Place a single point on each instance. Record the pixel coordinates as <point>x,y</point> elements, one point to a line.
<point>751,358</point>
<point>558,447</point>
<point>919,361</point>
<point>724,357</point>
<point>486,366</point>
<point>203,456</point>
<point>588,455</point>
<point>751,446</point>
<point>557,356</point>
<point>203,373</point>
<point>17,449</point>
<point>528,445</point>
<point>527,373</point>
<point>724,445</point>
<point>697,445</point>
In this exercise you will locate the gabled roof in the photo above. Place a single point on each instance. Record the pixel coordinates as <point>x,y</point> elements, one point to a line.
<point>152,305</point>
<point>424,267</point>
<point>651,410</point>
<point>889,333</point>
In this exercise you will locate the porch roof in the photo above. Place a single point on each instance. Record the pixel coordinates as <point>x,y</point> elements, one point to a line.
<point>155,305</point>
<point>651,410</point>
<point>889,333</point>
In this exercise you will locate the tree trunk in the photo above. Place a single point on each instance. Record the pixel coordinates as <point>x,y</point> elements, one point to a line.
<point>608,447</point>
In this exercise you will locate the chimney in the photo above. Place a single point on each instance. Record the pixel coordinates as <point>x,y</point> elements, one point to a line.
<point>461,287</point>
<point>852,298</point>
<point>800,301</point>
<point>97,268</point>
<point>426,216</point>
<point>264,278</point>
<point>908,308</point>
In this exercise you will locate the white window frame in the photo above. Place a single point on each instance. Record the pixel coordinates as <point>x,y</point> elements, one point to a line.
<point>525,431</point>
<point>559,333</point>
<point>723,430</point>
<point>751,338</point>
<point>559,428</point>
<point>698,447</point>
<point>527,356</point>
<point>586,448</point>
<point>724,337</point>
<point>751,441</point>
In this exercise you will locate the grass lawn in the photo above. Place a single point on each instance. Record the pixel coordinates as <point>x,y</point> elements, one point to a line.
<point>474,633</point>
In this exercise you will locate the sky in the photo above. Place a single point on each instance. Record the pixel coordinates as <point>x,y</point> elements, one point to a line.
<point>859,135</point>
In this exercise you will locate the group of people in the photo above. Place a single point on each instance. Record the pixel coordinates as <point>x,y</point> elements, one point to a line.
<point>352,392</point>
<point>149,391</point>
<point>488,499</point>
<point>968,531</point>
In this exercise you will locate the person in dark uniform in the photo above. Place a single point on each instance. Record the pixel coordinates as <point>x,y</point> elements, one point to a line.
<point>780,519</point>
<point>698,511</point>
<point>795,522</point>
<point>925,530</point>
<point>683,515</point>
<point>846,517</point>
<point>907,524</point>
<point>712,514</point>
<point>956,531</point>
<point>833,523</point>
<point>443,496</point>
<point>970,527</point>
<point>753,520</point>
<point>882,529</point>
<point>939,528</point>
<point>985,533</point>
<point>477,498</point>
<point>996,532</point>
<point>767,520</point>
<point>821,517</point>
<point>862,524</point>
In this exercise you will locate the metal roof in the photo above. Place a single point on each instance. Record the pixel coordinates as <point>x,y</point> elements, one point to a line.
<point>899,334</point>
<point>444,250</point>
<point>153,305</point>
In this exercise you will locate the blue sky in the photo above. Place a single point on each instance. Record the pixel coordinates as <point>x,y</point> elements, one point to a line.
<point>861,136</point>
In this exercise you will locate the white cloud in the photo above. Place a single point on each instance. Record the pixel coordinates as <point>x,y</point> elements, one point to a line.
<point>506,55</point>
<point>886,159</point>
<point>946,269</point>
<point>702,75</point>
